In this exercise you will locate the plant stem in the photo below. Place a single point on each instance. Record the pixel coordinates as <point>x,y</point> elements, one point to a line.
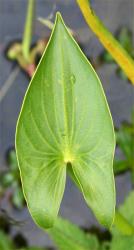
<point>122,224</point>
<point>27,36</point>
<point>106,38</point>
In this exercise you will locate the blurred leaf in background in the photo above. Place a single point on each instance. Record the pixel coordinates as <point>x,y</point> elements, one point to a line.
<point>68,236</point>
<point>5,242</point>
<point>32,248</point>
<point>127,211</point>
<point>123,243</point>
<point>125,141</point>
<point>10,178</point>
<point>120,241</point>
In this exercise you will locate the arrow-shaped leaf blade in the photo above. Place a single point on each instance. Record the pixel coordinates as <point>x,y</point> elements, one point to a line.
<point>65,119</point>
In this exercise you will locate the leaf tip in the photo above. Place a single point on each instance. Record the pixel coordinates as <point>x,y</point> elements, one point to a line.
<point>58,17</point>
<point>107,220</point>
<point>43,220</point>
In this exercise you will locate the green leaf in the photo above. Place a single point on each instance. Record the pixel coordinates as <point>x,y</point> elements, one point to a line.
<point>127,212</point>
<point>126,40</point>
<point>65,120</point>
<point>68,236</point>
<point>12,160</point>
<point>5,242</point>
<point>122,243</point>
<point>18,198</point>
<point>107,58</point>
<point>121,166</point>
<point>124,140</point>
<point>123,229</point>
<point>105,245</point>
<point>32,248</point>
<point>7,179</point>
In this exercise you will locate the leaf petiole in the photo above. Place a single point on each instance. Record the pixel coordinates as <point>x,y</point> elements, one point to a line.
<point>107,39</point>
<point>27,36</point>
